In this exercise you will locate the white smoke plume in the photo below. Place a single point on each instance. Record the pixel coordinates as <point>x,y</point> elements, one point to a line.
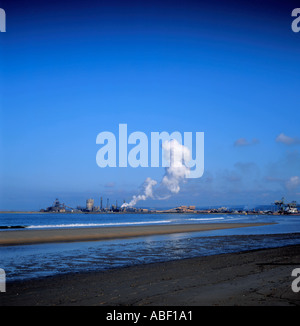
<point>178,156</point>
<point>148,193</point>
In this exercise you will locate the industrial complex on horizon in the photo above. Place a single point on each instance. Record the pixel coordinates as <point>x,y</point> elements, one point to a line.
<point>278,208</point>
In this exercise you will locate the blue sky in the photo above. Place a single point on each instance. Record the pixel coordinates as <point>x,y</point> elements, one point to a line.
<point>70,71</point>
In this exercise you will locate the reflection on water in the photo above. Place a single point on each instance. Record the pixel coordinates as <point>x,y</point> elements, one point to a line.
<point>30,261</point>
<point>25,262</point>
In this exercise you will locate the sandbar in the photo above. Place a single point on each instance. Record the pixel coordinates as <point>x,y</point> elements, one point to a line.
<point>35,236</point>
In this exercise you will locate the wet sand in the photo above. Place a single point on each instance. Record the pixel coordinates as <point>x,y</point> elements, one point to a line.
<point>261,277</point>
<point>29,236</point>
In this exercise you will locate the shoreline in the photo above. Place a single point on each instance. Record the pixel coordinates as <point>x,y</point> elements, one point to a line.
<point>256,277</point>
<point>38,236</point>
<point>149,213</point>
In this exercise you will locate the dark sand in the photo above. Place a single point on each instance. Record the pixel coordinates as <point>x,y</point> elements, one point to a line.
<point>261,277</point>
<point>29,236</point>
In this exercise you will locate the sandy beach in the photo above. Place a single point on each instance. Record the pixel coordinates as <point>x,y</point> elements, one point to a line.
<point>260,277</point>
<point>30,236</point>
<point>257,277</point>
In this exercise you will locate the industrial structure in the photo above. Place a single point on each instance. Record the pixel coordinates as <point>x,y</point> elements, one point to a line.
<point>56,207</point>
<point>181,209</point>
<point>90,205</point>
<point>282,208</point>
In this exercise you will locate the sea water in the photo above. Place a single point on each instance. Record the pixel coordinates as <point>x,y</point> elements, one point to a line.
<point>61,220</point>
<point>32,261</point>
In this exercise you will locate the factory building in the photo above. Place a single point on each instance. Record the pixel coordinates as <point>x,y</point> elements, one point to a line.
<point>90,205</point>
<point>57,207</point>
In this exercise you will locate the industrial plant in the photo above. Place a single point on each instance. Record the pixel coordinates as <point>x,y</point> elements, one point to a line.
<point>58,207</point>
<point>279,207</point>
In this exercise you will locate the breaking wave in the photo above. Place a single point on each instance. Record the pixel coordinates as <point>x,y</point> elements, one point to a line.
<point>80,225</point>
<point>206,219</point>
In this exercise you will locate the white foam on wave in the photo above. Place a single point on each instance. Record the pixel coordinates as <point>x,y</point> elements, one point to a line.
<point>206,219</point>
<point>74,225</point>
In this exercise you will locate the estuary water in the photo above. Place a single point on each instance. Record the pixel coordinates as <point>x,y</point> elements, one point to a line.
<point>41,260</point>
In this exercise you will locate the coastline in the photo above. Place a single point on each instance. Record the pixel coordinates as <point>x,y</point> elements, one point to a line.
<point>146,213</point>
<point>37,236</point>
<point>258,277</point>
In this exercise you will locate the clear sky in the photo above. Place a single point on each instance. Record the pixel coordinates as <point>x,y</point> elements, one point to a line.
<point>72,69</point>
